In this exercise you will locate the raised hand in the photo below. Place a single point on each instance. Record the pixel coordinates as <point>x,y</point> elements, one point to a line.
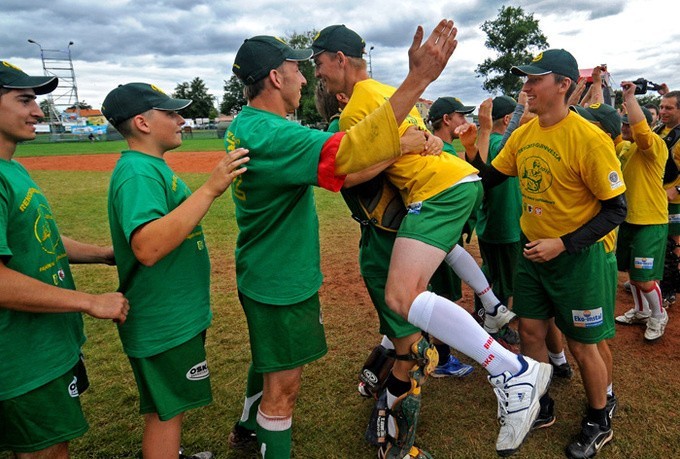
<point>428,60</point>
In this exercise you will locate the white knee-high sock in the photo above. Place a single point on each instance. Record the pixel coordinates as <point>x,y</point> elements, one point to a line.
<point>654,300</point>
<point>641,303</point>
<point>469,272</point>
<point>456,327</point>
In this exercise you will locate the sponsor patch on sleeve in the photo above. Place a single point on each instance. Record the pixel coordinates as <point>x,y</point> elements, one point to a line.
<point>615,180</point>
<point>586,318</point>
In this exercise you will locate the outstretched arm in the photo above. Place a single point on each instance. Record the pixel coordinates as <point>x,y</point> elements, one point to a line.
<point>80,252</point>
<point>23,293</point>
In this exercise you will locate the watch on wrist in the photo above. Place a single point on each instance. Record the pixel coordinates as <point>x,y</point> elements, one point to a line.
<point>677,188</point>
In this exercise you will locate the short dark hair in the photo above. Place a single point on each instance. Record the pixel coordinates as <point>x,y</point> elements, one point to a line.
<point>4,91</point>
<point>675,94</point>
<point>572,86</point>
<point>251,91</point>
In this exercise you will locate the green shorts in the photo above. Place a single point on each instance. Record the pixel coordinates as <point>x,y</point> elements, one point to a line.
<point>173,381</point>
<point>391,324</point>
<point>283,337</point>
<point>499,262</point>
<point>46,416</point>
<point>439,221</point>
<point>575,289</point>
<point>673,219</point>
<point>641,250</point>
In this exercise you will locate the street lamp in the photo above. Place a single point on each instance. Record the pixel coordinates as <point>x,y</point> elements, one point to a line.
<point>370,63</point>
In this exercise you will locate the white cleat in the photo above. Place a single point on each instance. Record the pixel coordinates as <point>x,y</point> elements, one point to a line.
<point>633,317</point>
<point>501,316</point>
<point>656,326</point>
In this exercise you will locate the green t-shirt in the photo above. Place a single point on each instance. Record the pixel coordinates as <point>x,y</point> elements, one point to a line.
<point>277,249</point>
<point>498,216</point>
<point>36,348</point>
<point>170,301</point>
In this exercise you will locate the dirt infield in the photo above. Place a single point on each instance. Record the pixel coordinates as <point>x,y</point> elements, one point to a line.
<point>194,161</point>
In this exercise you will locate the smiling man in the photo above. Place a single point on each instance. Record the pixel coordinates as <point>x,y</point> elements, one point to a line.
<point>572,196</point>
<point>42,328</point>
<point>277,250</point>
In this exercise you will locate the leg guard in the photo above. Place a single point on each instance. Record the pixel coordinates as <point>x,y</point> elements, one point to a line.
<point>406,408</point>
<point>375,371</point>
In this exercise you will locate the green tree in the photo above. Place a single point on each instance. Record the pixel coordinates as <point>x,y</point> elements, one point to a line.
<point>233,98</point>
<point>515,36</point>
<point>81,105</point>
<point>203,103</point>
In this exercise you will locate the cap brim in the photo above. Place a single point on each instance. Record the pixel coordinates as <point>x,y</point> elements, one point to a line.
<point>584,112</point>
<point>300,54</point>
<point>173,104</point>
<point>466,109</point>
<point>40,84</point>
<point>524,70</point>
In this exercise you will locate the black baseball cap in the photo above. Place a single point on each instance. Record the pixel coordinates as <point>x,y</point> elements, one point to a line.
<point>606,115</point>
<point>339,38</point>
<point>446,105</point>
<point>557,61</point>
<point>131,99</point>
<point>261,54</point>
<point>12,77</point>
<point>501,106</point>
<point>645,111</point>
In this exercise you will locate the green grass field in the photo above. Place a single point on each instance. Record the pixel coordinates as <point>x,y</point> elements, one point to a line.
<point>202,141</point>
<point>458,416</point>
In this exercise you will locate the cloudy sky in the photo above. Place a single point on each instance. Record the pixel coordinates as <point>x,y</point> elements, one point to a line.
<point>166,42</point>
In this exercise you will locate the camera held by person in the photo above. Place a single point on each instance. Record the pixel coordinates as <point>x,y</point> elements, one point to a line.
<point>642,86</point>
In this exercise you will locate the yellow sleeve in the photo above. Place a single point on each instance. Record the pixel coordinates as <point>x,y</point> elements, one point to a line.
<point>372,140</point>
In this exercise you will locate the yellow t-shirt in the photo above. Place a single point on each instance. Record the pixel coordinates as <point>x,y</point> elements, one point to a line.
<point>564,171</point>
<point>417,177</point>
<point>643,165</point>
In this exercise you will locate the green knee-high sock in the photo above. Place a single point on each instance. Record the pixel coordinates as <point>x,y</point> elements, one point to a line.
<point>274,435</point>
<point>252,400</point>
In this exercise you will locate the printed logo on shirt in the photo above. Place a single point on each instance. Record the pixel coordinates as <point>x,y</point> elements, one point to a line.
<point>198,371</point>
<point>615,180</point>
<point>586,318</point>
<point>643,263</point>
<point>535,175</point>
<point>673,218</point>
<point>414,209</point>
<point>73,388</point>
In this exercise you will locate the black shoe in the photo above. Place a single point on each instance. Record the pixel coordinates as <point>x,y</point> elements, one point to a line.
<point>589,441</point>
<point>611,406</point>
<point>241,437</point>
<point>563,371</point>
<point>546,415</point>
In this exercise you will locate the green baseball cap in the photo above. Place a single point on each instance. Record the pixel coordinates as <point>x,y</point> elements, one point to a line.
<point>261,54</point>
<point>446,105</point>
<point>556,61</point>
<point>502,105</point>
<point>131,99</point>
<point>12,77</point>
<point>648,116</point>
<point>339,38</point>
<point>606,115</point>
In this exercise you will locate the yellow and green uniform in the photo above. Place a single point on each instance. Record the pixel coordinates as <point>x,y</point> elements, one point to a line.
<point>674,205</point>
<point>417,177</point>
<point>642,237</point>
<point>564,171</point>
